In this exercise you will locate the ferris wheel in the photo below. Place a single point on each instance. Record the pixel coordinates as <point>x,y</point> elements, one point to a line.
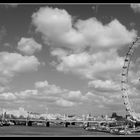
<point>124,81</point>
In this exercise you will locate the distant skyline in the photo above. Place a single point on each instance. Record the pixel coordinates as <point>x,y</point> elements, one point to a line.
<point>67,58</point>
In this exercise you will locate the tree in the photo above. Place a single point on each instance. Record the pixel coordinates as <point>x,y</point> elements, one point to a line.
<point>114,115</point>
<point>13,117</point>
<point>41,118</point>
<point>117,117</point>
<point>21,117</point>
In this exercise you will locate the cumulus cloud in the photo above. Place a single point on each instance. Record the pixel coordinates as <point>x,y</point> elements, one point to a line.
<point>84,46</point>
<point>53,23</point>
<point>59,96</point>
<point>58,29</point>
<point>12,63</point>
<point>48,93</point>
<point>45,88</point>
<point>64,103</point>
<point>113,34</point>
<point>28,46</point>
<point>106,99</point>
<point>44,93</point>
<point>74,94</point>
<point>90,65</point>
<point>7,96</point>
<point>135,7</point>
<point>26,93</point>
<point>41,84</point>
<point>108,84</point>
<point>69,98</point>
<point>49,89</point>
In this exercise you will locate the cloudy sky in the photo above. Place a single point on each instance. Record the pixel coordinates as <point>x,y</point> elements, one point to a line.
<point>67,58</point>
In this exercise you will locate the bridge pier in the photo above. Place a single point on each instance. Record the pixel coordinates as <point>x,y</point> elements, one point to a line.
<point>48,124</point>
<point>66,124</point>
<point>85,124</point>
<point>14,122</point>
<point>29,123</point>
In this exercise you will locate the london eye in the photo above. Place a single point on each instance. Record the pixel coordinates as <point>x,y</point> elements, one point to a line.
<point>125,80</point>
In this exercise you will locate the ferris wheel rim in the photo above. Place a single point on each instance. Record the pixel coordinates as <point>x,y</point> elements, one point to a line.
<point>124,81</point>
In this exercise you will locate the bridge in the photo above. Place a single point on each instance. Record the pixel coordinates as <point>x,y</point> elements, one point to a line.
<point>47,122</point>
